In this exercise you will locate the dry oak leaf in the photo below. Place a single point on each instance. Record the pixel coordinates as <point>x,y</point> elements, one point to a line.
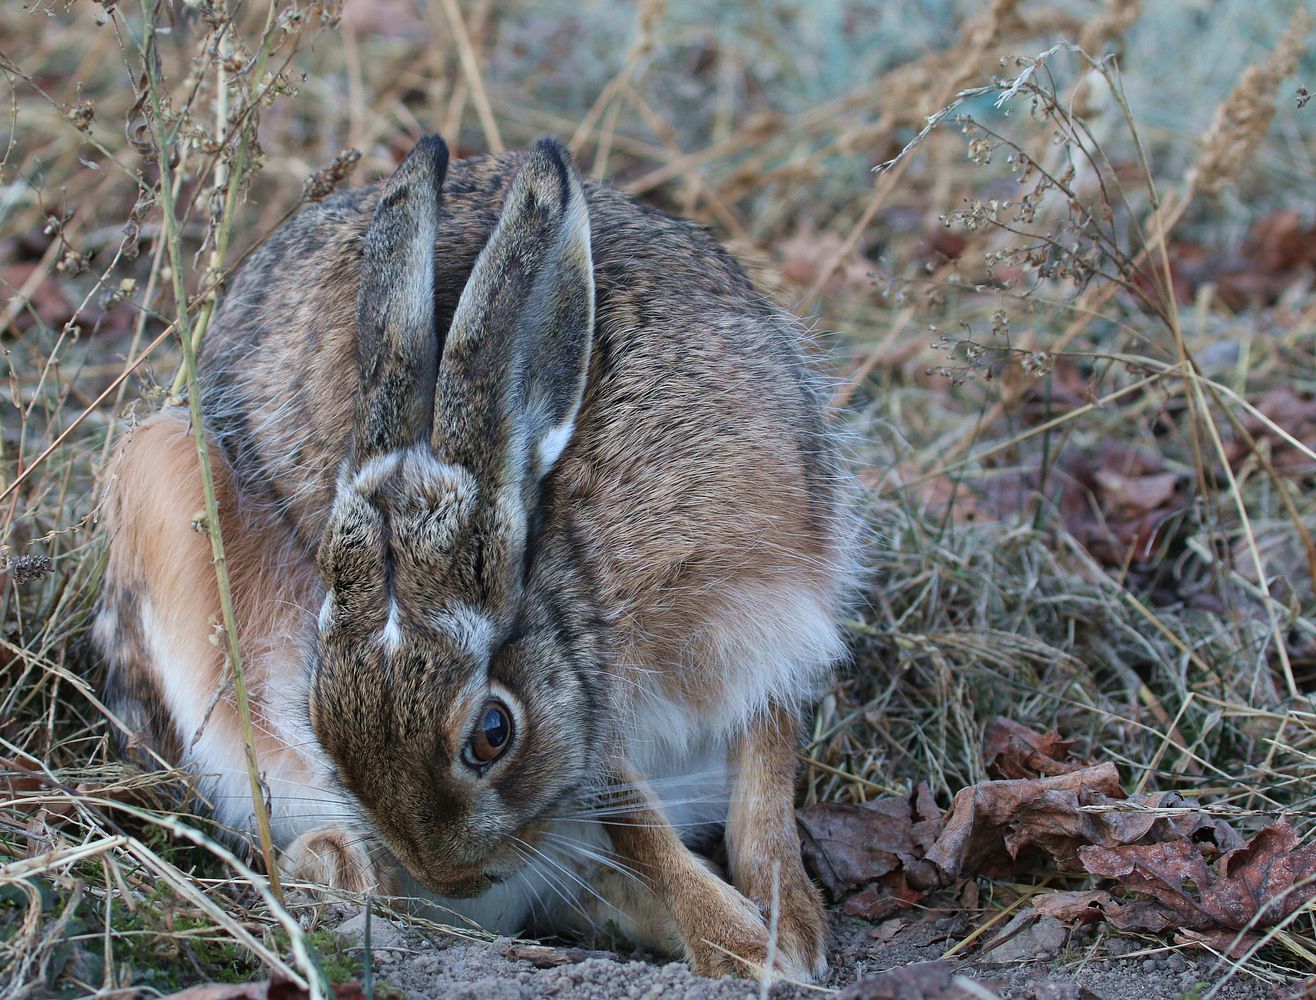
<point>847,845</point>
<point>991,823</point>
<point>270,989</point>
<point>1012,750</point>
<point>1258,884</point>
<point>1098,904</point>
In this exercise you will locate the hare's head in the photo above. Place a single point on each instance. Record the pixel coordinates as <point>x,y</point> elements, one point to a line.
<point>457,679</point>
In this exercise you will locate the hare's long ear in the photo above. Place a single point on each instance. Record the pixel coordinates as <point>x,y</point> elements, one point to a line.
<point>514,362</point>
<point>397,344</point>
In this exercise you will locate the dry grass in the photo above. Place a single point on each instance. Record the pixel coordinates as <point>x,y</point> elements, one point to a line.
<point>1003,295</point>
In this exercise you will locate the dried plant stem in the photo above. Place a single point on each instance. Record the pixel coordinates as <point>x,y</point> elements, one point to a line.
<point>647,16</point>
<point>231,184</point>
<point>1042,428</point>
<point>176,264</point>
<point>983,37</point>
<point>1089,306</point>
<point>1245,521</point>
<point>91,408</point>
<point>471,69</point>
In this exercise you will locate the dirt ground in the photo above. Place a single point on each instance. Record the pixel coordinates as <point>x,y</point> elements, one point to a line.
<point>1080,969</point>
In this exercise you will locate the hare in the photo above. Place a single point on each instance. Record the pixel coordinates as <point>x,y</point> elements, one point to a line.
<point>538,541</point>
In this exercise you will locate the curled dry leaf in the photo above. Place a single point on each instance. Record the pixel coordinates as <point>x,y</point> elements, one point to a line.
<point>1012,750</point>
<point>271,989</point>
<point>1003,827</point>
<point>1099,904</point>
<point>991,823</point>
<point>1256,885</point>
<point>848,845</point>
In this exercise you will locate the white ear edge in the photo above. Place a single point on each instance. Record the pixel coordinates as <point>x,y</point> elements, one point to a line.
<point>553,443</point>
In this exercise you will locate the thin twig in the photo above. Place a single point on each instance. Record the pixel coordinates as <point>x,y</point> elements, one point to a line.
<point>162,146</point>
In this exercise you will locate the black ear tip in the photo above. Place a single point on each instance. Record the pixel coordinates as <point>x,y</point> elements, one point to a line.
<point>435,149</point>
<point>550,147</point>
<point>549,168</point>
<point>428,156</point>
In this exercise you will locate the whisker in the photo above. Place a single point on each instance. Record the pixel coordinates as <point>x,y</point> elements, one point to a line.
<point>567,898</point>
<point>607,859</point>
<point>569,874</point>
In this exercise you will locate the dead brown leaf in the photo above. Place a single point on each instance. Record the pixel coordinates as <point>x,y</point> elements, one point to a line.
<point>1256,885</point>
<point>47,302</point>
<point>1232,943</point>
<point>1287,408</point>
<point>1132,496</point>
<point>887,930</point>
<point>806,252</point>
<point>848,845</point>
<point>1278,252</point>
<point>1004,827</point>
<point>882,899</point>
<point>272,989</point>
<point>1098,904</point>
<point>991,823</point>
<point>1012,750</point>
<point>543,956</point>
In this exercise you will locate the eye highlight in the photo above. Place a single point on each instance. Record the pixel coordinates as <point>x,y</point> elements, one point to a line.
<point>492,735</point>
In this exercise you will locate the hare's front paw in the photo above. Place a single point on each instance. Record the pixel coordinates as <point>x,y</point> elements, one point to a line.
<point>735,939</point>
<point>801,924</point>
<point>332,857</point>
<point>724,934</point>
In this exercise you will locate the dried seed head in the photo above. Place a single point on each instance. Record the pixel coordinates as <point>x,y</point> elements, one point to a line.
<point>322,183</point>
<point>29,567</point>
<point>1242,121</point>
<point>1100,33</point>
<point>81,116</point>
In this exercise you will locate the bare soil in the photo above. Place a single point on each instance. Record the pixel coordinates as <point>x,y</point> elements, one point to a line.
<point>1085,967</point>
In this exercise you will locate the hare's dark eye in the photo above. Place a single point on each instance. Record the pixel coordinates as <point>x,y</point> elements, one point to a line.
<point>493,734</point>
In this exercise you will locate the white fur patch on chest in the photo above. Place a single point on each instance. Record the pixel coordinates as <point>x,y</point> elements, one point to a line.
<point>761,645</point>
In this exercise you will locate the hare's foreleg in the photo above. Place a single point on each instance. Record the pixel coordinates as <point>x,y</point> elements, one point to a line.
<point>158,629</point>
<point>721,931</point>
<point>763,843</point>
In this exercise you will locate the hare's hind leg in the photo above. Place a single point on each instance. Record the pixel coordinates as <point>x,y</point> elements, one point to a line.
<point>763,843</point>
<point>157,628</point>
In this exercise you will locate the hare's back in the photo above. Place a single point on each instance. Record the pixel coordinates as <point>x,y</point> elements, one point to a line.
<point>700,443</point>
